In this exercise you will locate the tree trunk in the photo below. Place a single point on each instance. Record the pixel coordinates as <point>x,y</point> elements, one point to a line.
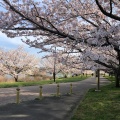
<point>16,78</point>
<point>65,76</point>
<point>117,79</point>
<point>117,72</point>
<point>54,76</point>
<point>98,79</point>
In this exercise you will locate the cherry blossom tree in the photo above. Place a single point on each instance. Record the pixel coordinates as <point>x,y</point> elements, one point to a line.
<point>55,64</point>
<point>67,64</point>
<point>71,24</point>
<point>17,61</point>
<point>50,63</point>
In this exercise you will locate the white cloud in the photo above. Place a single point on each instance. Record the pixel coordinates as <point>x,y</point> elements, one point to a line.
<point>12,43</point>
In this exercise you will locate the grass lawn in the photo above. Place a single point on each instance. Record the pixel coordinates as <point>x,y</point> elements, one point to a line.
<point>111,78</point>
<point>31,83</point>
<point>104,105</point>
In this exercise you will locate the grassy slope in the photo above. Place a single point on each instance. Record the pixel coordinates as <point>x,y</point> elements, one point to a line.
<point>104,105</point>
<point>31,83</point>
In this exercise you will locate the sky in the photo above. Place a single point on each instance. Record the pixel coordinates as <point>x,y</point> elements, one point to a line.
<point>13,43</point>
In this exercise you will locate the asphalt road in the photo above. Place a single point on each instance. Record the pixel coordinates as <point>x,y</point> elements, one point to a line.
<point>49,108</point>
<point>8,95</point>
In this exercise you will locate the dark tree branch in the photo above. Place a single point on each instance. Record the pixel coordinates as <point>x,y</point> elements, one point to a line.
<point>107,13</point>
<point>103,64</point>
<point>110,6</point>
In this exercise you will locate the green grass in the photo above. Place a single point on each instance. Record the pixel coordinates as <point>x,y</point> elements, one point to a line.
<point>104,105</point>
<point>32,83</point>
<point>111,78</point>
<point>71,79</point>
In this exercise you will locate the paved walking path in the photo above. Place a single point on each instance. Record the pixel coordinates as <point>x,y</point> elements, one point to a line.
<point>50,107</point>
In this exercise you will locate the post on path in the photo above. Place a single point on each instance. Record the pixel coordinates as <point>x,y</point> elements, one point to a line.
<point>18,95</point>
<point>40,92</point>
<point>71,89</point>
<point>97,76</point>
<point>58,90</point>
